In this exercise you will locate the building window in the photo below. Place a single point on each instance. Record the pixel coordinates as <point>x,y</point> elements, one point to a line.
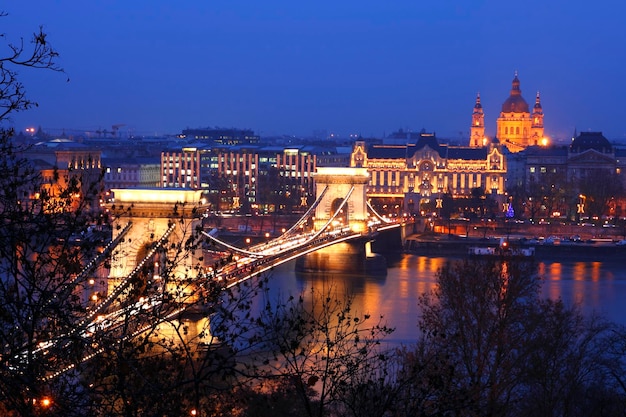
<point>532,170</point>
<point>543,170</point>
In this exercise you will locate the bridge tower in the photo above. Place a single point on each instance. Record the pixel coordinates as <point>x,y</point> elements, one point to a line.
<point>153,214</point>
<point>339,182</point>
<point>333,186</point>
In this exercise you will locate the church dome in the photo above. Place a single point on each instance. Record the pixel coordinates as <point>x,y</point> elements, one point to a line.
<point>515,103</point>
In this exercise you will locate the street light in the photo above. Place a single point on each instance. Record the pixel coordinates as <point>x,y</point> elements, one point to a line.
<point>581,204</point>
<point>439,206</point>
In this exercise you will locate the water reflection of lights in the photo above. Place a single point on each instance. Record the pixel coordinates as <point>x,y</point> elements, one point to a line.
<point>594,286</point>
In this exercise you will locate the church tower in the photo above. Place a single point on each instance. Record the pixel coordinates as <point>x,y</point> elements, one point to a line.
<point>536,131</point>
<point>477,130</point>
<point>515,124</point>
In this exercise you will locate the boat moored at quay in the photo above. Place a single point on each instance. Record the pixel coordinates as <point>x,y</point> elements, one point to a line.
<point>460,247</point>
<point>503,250</point>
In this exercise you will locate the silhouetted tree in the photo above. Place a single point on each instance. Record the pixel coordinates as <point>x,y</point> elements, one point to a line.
<point>37,261</point>
<point>492,347</point>
<point>599,186</point>
<point>36,53</point>
<point>329,352</point>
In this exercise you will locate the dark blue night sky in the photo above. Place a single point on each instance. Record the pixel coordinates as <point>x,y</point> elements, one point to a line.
<point>348,67</point>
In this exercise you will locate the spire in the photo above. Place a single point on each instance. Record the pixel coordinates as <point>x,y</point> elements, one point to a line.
<point>515,90</point>
<point>537,106</point>
<point>478,105</point>
<point>477,129</point>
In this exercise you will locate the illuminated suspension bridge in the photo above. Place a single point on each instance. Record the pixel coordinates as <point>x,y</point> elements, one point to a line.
<point>339,214</point>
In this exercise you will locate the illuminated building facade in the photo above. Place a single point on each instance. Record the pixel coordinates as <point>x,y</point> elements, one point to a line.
<point>477,130</point>
<point>131,173</point>
<point>60,160</point>
<point>267,179</point>
<point>517,126</point>
<point>181,169</point>
<point>249,177</point>
<point>417,174</point>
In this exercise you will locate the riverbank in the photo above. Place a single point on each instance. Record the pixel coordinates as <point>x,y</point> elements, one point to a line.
<point>452,245</point>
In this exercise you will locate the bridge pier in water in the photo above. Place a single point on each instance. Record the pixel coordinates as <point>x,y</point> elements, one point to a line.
<point>342,207</point>
<point>352,257</point>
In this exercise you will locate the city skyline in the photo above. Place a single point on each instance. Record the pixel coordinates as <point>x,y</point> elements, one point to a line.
<point>351,68</point>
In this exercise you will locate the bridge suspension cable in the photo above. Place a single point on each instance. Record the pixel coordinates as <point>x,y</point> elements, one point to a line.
<point>85,322</point>
<point>232,247</point>
<point>287,234</point>
<point>93,263</point>
<point>381,218</point>
<point>126,282</point>
<point>283,237</point>
<point>99,350</point>
<point>306,215</point>
<point>343,203</point>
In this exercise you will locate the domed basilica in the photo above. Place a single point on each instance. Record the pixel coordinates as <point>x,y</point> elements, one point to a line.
<point>517,128</point>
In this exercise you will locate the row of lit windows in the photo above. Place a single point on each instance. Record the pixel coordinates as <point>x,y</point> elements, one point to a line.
<point>165,178</point>
<point>506,131</point>
<point>84,164</point>
<point>240,159</point>
<point>294,174</point>
<point>178,172</point>
<point>173,159</point>
<point>174,165</point>
<point>252,166</point>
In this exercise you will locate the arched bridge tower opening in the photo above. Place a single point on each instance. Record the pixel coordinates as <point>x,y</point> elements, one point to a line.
<point>155,213</point>
<point>344,203</point>
<point>339,212</point>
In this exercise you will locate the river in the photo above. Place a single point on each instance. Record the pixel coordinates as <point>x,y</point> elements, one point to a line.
<point>595,286</point>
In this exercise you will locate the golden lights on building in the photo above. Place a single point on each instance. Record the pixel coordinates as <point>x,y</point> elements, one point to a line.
<point>517,127</point>
<point>477,130</point>
<point>421,172</point>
